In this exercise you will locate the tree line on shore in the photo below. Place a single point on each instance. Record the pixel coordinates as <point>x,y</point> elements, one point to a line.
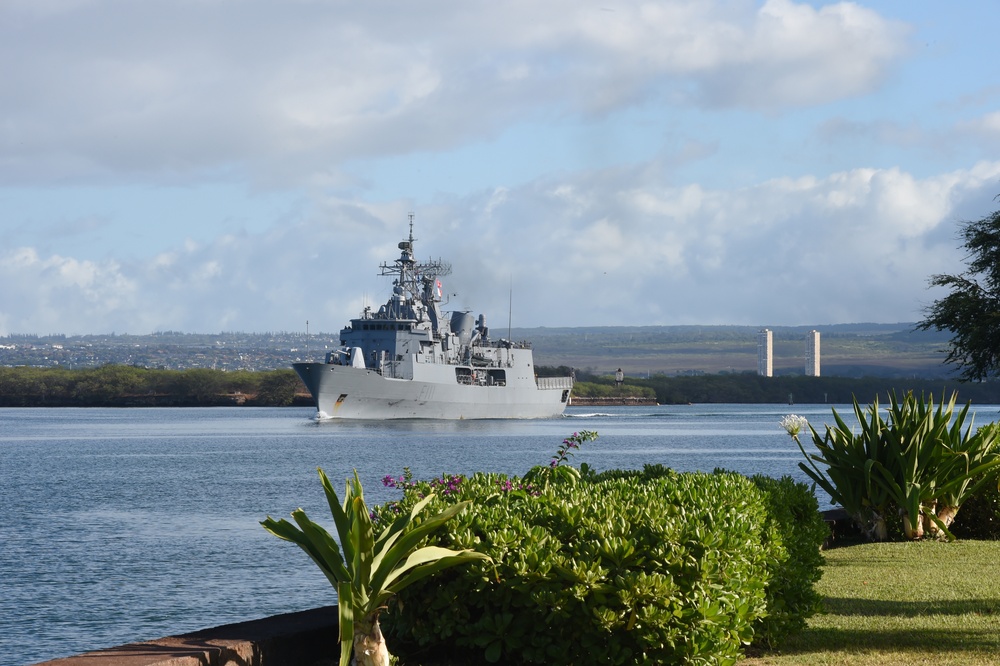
<point>130,386</point>
<point>751,388</point>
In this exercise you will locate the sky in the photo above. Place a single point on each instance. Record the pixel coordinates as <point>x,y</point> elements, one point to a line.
<point>211,166</point>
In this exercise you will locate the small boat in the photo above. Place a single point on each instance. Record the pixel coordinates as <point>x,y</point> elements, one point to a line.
<point>407,360</point>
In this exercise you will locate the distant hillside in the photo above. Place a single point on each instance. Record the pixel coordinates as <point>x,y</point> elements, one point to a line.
<point>846,350</point>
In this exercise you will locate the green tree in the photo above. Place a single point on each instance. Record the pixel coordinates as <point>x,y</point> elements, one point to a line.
<point>200,385</point>
<point>278,388</point>
<point>241,381</point>
<point>108,383</point>
<point>27,386</point>
<point>971,312</point>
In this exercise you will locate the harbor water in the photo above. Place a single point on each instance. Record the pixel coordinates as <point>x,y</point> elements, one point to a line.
<point>120,525</point>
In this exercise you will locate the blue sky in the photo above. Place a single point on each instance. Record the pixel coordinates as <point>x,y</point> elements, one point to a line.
<point>242,165</point>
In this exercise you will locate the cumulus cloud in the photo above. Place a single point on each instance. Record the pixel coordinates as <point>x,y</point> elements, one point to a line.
<point>767,162</point>
<point>859,244</point>
<point>110,87</point>
<point>41,293</point>
<point>852,246</point>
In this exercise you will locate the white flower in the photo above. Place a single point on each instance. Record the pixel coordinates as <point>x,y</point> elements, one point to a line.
<point>793,424</point>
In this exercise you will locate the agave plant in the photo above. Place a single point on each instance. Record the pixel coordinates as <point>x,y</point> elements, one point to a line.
<point>923,460</point>
<point>370,569</point>
<point>937,457</point>
<point>848,474</point>
<point>964,461</point>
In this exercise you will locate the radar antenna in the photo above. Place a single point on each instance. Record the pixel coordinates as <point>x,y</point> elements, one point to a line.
<point>408,268</point>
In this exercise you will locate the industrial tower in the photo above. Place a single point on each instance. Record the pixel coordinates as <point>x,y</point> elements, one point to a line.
<point>812,354</point>
<point>764,353</point>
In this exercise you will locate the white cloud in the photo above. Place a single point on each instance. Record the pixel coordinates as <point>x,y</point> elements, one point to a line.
<point>198,88</point>
<point>861,242</point>
<point>984,128</point>
<point>42,294</point>
<point>759,162</point>
<point>853,246</point>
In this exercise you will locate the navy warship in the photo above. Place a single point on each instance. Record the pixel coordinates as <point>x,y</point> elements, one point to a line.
<point>407,360</point>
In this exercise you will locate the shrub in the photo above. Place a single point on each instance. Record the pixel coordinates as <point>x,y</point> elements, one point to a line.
<point>980,515</point>
<point>795,531</point>
<point>617,568</point>
<point>797,527</point>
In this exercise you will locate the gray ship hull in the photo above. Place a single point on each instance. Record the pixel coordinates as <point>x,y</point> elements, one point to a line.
<point>345,392</point>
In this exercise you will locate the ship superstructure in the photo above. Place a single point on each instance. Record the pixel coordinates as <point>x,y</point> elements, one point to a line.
<point>409,360</point>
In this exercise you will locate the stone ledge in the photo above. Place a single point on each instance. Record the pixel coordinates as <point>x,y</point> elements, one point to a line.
<point>306,638</point>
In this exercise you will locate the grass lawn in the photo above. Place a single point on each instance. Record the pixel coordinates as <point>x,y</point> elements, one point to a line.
<point>903,603</point>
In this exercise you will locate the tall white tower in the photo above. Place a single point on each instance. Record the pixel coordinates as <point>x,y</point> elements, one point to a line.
<point>812,354</point>
<point>764,353</point>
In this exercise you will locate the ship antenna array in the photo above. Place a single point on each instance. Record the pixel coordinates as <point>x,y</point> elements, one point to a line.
<point>433,268</point>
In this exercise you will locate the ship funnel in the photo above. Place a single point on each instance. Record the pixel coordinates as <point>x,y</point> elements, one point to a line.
<point>462,325</point>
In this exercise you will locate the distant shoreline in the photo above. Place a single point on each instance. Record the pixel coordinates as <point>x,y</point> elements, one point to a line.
<point>602,401</point>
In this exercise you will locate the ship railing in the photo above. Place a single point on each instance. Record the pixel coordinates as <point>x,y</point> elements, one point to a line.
<point>503,343</point>
<point>554,382</point>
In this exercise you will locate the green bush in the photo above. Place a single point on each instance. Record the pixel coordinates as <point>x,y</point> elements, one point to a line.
<point>618,568</point>
<point>796,525</point>
<point>980,514</point>
<point>610,390</point>
<point>795,531</point>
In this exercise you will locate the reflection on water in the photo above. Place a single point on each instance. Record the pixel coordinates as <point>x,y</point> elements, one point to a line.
<point>126,524</point>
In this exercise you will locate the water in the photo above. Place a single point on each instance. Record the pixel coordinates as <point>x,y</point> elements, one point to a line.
<point>118,525</point>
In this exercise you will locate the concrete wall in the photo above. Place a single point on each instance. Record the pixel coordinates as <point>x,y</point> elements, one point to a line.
<point>308,638</point>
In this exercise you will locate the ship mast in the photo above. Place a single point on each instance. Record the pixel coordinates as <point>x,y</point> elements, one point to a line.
<point>410,271</point>
<point>414,281</point>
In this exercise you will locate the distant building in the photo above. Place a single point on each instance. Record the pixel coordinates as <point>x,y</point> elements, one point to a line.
<point>764,353</point>
<point>812,354</point>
